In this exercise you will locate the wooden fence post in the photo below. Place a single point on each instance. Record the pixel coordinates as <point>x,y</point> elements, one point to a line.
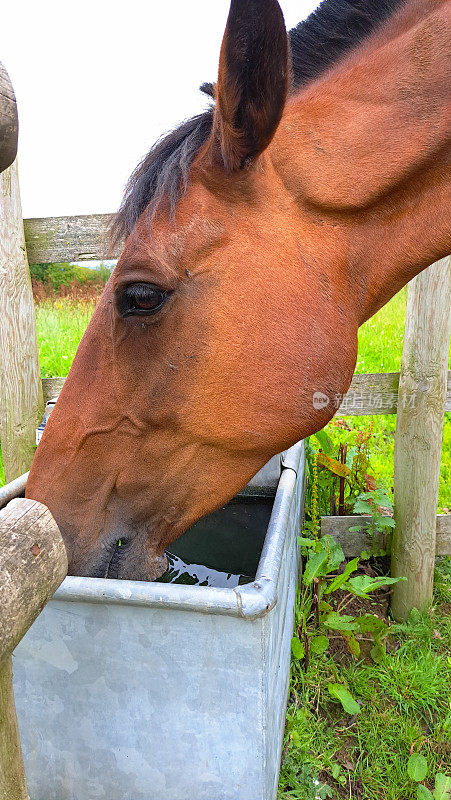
<point>13,785</point>
<point>33,562</point>
<point>8,121</point>
<point>21,403</point>
<point>419,434</point>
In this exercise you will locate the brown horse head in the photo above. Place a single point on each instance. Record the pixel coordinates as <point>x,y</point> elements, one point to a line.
<point>259,236</point>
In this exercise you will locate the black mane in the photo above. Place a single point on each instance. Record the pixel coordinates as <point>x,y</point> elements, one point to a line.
<point>163,173</point>
<point>331,31</point>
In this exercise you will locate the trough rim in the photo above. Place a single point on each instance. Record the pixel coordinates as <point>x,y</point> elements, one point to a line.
<point>249,601</point>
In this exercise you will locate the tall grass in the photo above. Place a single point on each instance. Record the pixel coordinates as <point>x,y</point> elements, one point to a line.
<point>60,325</point>
<point>381,338</point>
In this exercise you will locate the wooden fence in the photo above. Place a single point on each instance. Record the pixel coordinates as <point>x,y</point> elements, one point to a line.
<point>33,559</point>
<point>419,394</point>
<point>368,394</point>
<point>354,542</point>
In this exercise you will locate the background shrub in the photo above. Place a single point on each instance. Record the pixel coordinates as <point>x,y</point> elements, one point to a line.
<point>61,280</point>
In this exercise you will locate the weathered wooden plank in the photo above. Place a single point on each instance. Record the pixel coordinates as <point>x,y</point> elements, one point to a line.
<point>353,542</point>
<point>443,535</point>
<point>57,239</point>
<point>362,399</point>
<point>9,125</point>
<point>371,394</point>
<point>378,394</point>
<point>51,387</point>
<point>21,402</point>
<point>419,434</point>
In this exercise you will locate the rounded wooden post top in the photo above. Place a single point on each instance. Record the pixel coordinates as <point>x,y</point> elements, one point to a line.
<point>9,125</point>
<point>33,563</point>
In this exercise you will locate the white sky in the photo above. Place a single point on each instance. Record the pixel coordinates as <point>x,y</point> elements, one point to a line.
<point>98,82</point>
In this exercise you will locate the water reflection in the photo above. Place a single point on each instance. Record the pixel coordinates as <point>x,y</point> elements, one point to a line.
<point>200,575</point>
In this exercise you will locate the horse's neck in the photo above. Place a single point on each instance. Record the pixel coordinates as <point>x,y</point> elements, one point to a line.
<point>401,235</point>
<point>367,144</point>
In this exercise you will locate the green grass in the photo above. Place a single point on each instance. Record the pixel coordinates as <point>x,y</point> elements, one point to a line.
<point>381,338</point>
<point>60,325</point>
<point>404,707</point>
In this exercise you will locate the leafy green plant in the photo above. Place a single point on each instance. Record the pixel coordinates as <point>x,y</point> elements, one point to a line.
<point>417,767</point>
<point>442,789</point>
<point>417,770</point>
<point>403,701</point>
<point>323,559</point>
<point>402,695</point>
<point>378,524</point>
<point>306,785</point>
<point>98,275</point>
<point>338,465</point>
<point>54,275</point>
<point>344,696</point>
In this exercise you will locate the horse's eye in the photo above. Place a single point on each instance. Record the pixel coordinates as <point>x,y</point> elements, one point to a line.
<point>141,299</point>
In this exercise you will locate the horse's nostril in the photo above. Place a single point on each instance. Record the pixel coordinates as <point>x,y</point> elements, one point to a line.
<point>120,559</point>
<point>115,560</point>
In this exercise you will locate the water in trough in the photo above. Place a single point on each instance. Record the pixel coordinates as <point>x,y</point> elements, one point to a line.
<point>222,549</point>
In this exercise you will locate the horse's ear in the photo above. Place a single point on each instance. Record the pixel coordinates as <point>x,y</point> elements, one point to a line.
<point>254,70</point>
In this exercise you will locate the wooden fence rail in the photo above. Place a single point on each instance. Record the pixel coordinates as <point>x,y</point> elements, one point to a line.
<point>33,559</point>
<point>367,395</point>
<point>57,239</point>
<point>353,542</point>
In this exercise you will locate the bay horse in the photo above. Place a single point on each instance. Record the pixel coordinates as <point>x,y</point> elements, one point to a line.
<point>259,236</point>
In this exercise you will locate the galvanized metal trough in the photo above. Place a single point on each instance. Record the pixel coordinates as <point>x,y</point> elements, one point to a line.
<point>149,691</point>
